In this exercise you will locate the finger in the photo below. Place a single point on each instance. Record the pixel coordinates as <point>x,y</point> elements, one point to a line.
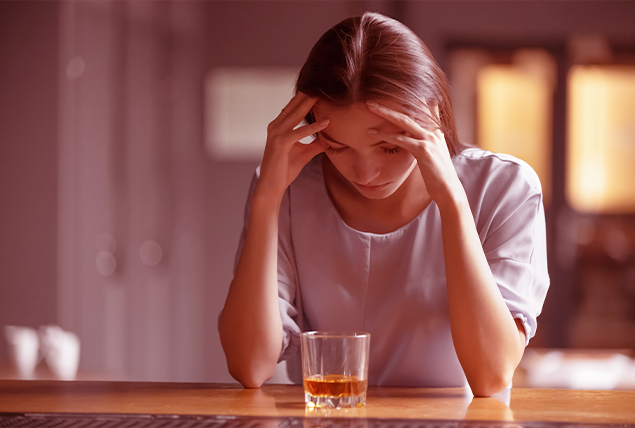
<point>424,135</point>
<point>307,130</point>
<point>292,106</point>
<point>308,151</point>
<point>295,101</point>
<point>406,142</point>
<point>295,115</point>
<point>401,120</point>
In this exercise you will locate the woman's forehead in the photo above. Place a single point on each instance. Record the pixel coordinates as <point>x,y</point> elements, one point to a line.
<point>349,125</point>
<point>327,106</point>
<point>352,116</point>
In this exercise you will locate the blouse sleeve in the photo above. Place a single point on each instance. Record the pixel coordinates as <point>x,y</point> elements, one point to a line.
<point>510,219</point>
<point>286,272</point>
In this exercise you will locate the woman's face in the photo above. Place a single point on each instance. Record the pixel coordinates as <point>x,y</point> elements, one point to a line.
<point>375,168</point>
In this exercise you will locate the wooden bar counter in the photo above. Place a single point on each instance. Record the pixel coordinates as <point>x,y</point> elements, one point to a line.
<point>603,407</point>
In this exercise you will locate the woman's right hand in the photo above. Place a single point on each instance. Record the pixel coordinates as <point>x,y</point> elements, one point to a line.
<point>284,155</point>
<point>250,326</point>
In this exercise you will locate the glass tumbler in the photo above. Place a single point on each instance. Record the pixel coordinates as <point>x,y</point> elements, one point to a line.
<point>335,368</point>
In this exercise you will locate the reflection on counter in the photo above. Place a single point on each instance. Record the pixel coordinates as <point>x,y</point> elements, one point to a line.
<point>320,412</point>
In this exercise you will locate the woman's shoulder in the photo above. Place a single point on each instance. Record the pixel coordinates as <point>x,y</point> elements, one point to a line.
<point>485,169</point>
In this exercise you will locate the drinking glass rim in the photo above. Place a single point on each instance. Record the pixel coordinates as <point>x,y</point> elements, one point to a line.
<point>335,334</point>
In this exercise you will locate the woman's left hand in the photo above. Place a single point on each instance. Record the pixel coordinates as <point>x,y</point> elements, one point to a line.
<point>490,348</point>
<point>429,148</point>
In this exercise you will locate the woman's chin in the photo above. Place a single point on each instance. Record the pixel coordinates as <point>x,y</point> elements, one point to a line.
<point>375,192</point>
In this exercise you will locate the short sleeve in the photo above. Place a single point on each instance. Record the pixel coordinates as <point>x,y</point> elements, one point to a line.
<point>287,274</point>
<point>510,219</point>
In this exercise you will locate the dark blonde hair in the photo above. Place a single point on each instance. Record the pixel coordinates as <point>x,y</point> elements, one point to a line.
<point>373,57</point>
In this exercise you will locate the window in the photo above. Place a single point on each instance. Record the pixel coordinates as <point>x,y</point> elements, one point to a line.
<point>601,139</point>
<point>504,104</point>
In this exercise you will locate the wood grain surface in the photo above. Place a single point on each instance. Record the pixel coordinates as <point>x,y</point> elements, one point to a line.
<point>288,400</point>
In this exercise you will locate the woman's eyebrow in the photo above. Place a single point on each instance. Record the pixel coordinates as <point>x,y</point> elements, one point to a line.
<point>328,137</point>
<point>332,140</point>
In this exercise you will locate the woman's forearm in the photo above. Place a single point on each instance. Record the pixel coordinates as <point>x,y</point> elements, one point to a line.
<point>250,325</point>
<point>487,340</point>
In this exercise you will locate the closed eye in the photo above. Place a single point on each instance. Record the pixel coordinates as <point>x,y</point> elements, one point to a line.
<point>330,149</point>
<point>333,151</point>
<point>391,151</point>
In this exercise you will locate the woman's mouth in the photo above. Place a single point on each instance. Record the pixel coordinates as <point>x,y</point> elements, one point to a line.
<point>369,188</point>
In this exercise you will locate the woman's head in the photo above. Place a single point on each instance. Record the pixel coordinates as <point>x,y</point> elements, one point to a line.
<point>374,57</point>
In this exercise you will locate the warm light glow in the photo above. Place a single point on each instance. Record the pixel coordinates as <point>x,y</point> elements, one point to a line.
<point>601,139</point>
<point>514,116</point>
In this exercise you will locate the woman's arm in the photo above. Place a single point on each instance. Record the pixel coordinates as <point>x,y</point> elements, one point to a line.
<point>488,341</point>
<point>250,325</point>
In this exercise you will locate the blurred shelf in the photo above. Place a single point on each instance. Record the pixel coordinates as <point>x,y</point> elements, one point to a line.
<point>589,369</point>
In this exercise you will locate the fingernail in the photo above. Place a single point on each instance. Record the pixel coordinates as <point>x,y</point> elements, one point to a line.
<point>372,131</point>
<point>325,122</point>
<point>372,103</point>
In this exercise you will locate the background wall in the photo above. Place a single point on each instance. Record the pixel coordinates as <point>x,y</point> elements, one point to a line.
<point>28,163</point>
<point>35,196</point>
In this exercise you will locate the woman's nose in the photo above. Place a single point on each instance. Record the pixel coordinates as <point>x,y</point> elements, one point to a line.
<point>366,170</point>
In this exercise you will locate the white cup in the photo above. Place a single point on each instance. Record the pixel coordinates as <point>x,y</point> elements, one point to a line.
<point>23,349</point>
<point>61,351</point>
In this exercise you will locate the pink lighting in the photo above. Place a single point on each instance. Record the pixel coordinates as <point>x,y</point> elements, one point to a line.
<point>121,207</point>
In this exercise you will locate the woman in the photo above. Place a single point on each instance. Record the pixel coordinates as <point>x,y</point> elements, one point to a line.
<point>385,223</point>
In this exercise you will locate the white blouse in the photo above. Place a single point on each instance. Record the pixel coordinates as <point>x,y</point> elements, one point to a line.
<point>393,285</point>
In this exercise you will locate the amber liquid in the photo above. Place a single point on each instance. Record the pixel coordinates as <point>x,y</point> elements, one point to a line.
<point>335,386</point>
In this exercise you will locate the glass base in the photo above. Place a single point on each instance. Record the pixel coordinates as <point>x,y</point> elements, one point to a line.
<point>334,402</point>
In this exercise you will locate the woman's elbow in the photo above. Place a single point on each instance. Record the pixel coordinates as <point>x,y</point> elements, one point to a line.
<point>251,376</point>
<point>249,364</point>
<point>490,384</point>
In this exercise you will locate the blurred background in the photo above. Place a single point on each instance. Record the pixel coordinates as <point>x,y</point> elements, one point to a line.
<point>129,133</point>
